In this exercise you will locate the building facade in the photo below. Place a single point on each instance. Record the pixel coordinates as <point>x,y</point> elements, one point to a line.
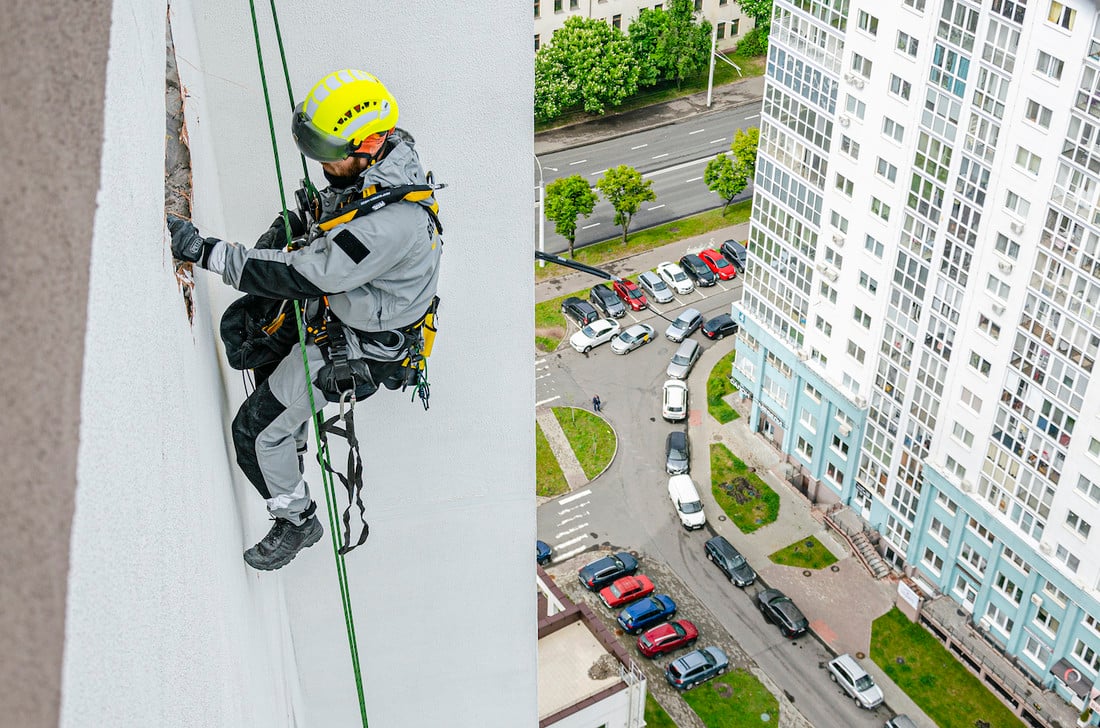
<point>920,320</point>
<point>725,15</point>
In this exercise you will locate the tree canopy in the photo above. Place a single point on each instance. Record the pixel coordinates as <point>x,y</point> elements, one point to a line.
<point>626,190</point>
<point>669,44</point>
<point>587,63</point>
<point>566,199</point>
<point>729,175</point>
<point>759,10</point>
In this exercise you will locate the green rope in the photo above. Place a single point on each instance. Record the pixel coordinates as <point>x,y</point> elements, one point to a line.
<point>322,451</point>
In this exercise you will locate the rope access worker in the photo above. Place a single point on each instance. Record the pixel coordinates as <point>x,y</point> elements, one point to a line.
<point>376,274</point>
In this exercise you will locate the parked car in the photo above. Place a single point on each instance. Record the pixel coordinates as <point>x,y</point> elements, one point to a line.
<point>695,667</point>
<point>598,332</point>
<point>778,609</point>
<point>697,270</point>
<point>675,277</point>
<point>601,572</point>
<point>667,637</point>
<point>900,721</point>
<point>629,293</point>
<point>651,610</point>
<point>632,338</point>
<point>602,297</point>
<point>855,681</point>
<point>679,367</point>
<point>674,405</point>
<point>582,312</point>
<point>718,263</point>
<point>543,552</point>
<point>677,453</point>
<point>735,253</point>
<point>657,289</point>
<point>626,590</point>
<point>730,561</point>
<point>720,326</point>
<point>684,325</point>
<point>685,499</point>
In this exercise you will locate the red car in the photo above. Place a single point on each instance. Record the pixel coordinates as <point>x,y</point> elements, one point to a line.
<point>667,637</point>
<point>717,263</point>
<point>626,590</point>
<point>630,293</point>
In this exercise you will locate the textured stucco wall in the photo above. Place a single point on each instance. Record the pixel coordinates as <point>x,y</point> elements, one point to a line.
<point>166,625</point>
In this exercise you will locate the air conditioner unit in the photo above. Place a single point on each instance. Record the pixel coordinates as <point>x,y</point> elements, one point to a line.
<point>998,308</point>
<point>984,623</point>
<point>844,430</point>
<point>967,486</point>
<point>802,354</point>
<point>845,120</point>
<point>858,83</point>
<point>1005,266</point>
<point>830,274</point>
<point>849,77</point>
<point>839,240</point>
<point>821,267</point>
<point>1045,547</point>
<point>861,402</point>
<point>1017,227</point>
<point>1036,600</point>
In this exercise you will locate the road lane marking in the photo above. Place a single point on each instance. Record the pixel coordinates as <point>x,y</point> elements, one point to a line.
<point>600,172</point>
<point>640,146</point>
<point>579,161</point>
<point>753,116</point>
<point>655,207</point>
<point>574,530</point>
<point>660,155</point>
<point>546,401</point>
<point>693,179</point>
<point>592,225</point>
<point>543,376</point>
<point>572,518</point>
<point>576,496</point>
<point>563,511</point>
<point>697,131</point>
<point>570,542</point>
<point>715,141</point>
<point>570,554</point>
<point>539,361</point>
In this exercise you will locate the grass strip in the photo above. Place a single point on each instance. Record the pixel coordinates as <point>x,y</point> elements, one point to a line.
<point>747,500</point>
<point>592,439</point>
<point>805,553</point>
<point>718,387</point>
<point>549,479</point>
<point>734,700</point>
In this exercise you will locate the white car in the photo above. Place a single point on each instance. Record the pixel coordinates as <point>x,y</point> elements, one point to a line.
<point>675,277</point>
<point>855,681</point>
<point>598,332</point>
<point>632,338</point>
<point>675,403</point>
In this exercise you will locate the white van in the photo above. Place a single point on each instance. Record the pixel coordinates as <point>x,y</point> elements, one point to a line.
<point>685,498</point>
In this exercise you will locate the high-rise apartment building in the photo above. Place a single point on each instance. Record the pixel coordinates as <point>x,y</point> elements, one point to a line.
<point>921,315</point>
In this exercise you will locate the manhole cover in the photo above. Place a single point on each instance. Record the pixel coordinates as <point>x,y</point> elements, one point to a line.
<point>809,543</point>
<point>721,518</point>
<point>899,660</point>
<point>834,568</point>
<point>860,655</point>
<point>807,572</point>
<point>765,718</point>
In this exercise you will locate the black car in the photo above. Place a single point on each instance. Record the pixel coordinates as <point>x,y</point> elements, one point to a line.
<point>601,572</point>
<point>603,298</point>
<point>736,253</point>
<point>580,311</point>
<point>697,270</point>
<point>719,327</point>
<point>677,453</point>
<point>778,609</point>
<point>723,555</point>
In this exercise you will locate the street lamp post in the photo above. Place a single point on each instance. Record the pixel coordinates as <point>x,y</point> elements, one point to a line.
<point>542,216</point>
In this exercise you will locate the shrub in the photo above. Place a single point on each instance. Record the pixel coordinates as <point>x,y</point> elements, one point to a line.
<point>755,43</point>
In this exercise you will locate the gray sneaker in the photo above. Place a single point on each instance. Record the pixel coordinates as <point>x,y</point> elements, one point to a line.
<point>282,543</point>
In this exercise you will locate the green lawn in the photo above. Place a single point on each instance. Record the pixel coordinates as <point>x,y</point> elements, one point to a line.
<point>734,700</point>
<point>806,553</point>
<point>943,688</point>
<point>718,386</point>
<point>746,499</point>
<point>638,242</point>
<point>655,715</point>
<point>549,480</point>
<point>550,324</point>
<point>591,438</point>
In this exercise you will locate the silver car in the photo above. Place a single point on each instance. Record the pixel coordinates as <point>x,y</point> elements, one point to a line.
<point>652,284</point>
<point>632,338</point>
<point>684,359</point>
<point>685,324</point>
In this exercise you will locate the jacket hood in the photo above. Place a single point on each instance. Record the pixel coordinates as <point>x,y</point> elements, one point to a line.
<point>400,166</point>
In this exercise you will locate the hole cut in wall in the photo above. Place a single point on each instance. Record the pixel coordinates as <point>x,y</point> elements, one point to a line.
<point>177,164</point>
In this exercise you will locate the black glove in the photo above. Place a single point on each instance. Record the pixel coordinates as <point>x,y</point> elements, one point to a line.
<point>187,244</point>
<point>275,236</point>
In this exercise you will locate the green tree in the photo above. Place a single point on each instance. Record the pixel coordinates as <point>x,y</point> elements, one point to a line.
<point>759,10</point>
<point>587,63</point>
<point>669,44</point>
<point>626,190</point>
<point>729,175</point>
<point>566,199</point>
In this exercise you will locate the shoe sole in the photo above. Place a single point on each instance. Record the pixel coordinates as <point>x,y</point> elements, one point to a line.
<point>272,566</point>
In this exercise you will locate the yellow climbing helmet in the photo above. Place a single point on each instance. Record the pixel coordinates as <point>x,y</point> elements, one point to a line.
<point>340,112</point>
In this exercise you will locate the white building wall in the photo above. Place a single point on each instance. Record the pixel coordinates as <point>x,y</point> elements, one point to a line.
<point>166,625</point>
<point>548,19</point>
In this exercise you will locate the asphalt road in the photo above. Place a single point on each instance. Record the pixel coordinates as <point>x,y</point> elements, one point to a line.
<point>628,507</point>
<point>673,157</point>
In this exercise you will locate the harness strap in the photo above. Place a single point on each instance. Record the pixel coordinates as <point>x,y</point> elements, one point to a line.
<point>353,481</point>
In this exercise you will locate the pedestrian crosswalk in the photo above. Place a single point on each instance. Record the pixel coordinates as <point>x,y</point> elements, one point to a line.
<point>570,538</point>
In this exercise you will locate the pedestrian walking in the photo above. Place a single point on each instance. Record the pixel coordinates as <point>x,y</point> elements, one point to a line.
<point>596,404</point>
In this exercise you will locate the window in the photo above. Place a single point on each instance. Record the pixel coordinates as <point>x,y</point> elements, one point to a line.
<point>1049,66</point>
<point>1088,489</point>
<point>887,170</point>
<point>962,434</point>
<point>867,282</point>
<point>828,292</point>
<point>1055,593</point>
<point>900,87</point>
<point>812,393</point>
<point>823,325</point>
<point>873,246</point>
<point>1078,525</point>
<point>861,317</point>
<point>835,474</point>
<point>979,364</point>
<point>954,467</point>
<point>917,5</point>
<point>574,4</point>
<point>832,257</point>
<point>537,44</point>
<point>838,221</point>
<point>986,325</point>
<point>538,13</point>
<point>893,129</point>
<point>809,419</point>
<point>840,447</point>
<point>997,287</point>
<point>1088,655</point>
<point>1047,622</point>
<point>1094,447</point>
<point>999,619</point>
<point>946,503</point>
<point>721,30</point>
<point>1015,203</point>
<point>617,21</point>
<point>932,561</point>
<point>880,208</point>
<point>1007,247</point>
<point>1009,588</point>
<point>805,449</point>
<point>971,400</point>
<point>856,352</point>
<point>940,532</point>
<point>1027,161</point>
<point>907,44</point>
<point>844,184</point>
<point>1036,113</point>
<point>1061,15</point>
<point>557,6</point>
<point>1066,557</point>
<point>855,107</point>
<point>849,146</point>
<point>698,5</point>
<point>869,23</point>
<point>861,65</point>
<point>735,27</point>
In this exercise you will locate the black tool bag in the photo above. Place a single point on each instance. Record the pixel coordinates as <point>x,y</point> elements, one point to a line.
<point>258,331</point>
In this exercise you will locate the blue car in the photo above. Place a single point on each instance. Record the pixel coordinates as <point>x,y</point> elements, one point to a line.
<point>646,613</point>
<point>543,552</point>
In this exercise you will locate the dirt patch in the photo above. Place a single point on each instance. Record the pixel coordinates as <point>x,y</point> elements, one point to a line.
<point>741,490</point>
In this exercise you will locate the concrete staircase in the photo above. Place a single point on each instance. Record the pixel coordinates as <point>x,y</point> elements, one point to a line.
<point>849,525</point>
